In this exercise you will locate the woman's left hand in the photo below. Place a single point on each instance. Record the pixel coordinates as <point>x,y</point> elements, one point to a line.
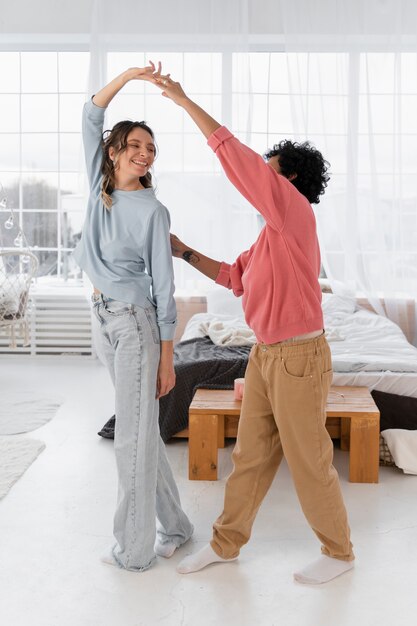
<point>166,377</point>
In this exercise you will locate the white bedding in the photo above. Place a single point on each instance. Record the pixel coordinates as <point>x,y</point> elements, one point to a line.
<point>367,349</point>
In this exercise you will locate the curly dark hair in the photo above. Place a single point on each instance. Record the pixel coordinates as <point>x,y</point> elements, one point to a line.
<point>307,163</point>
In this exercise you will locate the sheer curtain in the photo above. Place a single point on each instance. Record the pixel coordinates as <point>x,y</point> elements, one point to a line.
<point>352,70</point>
<point>195,42</point>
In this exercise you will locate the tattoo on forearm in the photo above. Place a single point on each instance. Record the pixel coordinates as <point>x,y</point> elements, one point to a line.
<point>190,257</point>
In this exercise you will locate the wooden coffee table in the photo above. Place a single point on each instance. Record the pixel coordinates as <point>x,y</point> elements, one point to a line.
<point>352,416</point>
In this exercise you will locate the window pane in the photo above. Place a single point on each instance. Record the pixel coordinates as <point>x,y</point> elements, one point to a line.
<point>48,262</point>
<point>376,114</point>
<point>70,112</point>
<point>9,118</point>
<point>40,191</point>
<point>197,155</point>
<point>71,156</point>
<point>71,226</point>
<point>408,115</point>
<point>172,63</point>
<point>8,235</point>
<point>73,71</point>
<point>10,72</point>
<point>260,65</point>
<point>74,184</point>
<point>69,270</point>
<point>162,115</point>
<point>409,72</point>
<point>334,150</point>
<point>9,153</point>
<point>202,73</point>
<point>211,104</point>
<point>118,62</point>
<point>328,73</point>
<point>39,72</point>
<point>326,114</point>
<point>39,151</point>
<point>377,73</point>
<point>170,154</point>
<point>40,229</point>
<point>9,188</point>
<point>377,152</point>
<point>125,107</point>
<point>39,113</point>
<point>280,120</point>
<point>279,73</point>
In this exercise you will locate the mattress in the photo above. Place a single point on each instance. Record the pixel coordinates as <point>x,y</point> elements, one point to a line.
<point>367,349</point>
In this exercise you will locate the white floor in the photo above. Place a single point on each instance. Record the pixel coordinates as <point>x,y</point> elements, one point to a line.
<point>57,519</point>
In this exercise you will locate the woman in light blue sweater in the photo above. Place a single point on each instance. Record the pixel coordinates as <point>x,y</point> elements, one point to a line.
<point>125,251</point>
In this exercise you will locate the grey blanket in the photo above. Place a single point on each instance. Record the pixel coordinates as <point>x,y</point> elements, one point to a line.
<point>199,363</point>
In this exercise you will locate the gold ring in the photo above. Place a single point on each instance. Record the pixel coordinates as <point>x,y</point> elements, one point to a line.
<point>165,82</point>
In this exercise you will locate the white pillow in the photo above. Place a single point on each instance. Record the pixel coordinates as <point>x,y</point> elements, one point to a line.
<point>334,305</point>
<point>222,301</point>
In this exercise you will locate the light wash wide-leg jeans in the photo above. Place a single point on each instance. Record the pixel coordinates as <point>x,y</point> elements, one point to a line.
<point>146,486</point>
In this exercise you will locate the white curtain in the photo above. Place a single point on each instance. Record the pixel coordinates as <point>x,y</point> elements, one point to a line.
<point>358,105</point>
<point>341,74</point>
<point>195,42</point>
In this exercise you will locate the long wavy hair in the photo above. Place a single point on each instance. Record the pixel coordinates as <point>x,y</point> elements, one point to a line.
<point>116,138</point>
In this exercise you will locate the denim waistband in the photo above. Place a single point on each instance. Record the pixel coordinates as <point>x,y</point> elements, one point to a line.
<point>99,297</point>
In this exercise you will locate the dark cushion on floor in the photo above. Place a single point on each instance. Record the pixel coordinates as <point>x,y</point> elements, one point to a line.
<point>396,411</point>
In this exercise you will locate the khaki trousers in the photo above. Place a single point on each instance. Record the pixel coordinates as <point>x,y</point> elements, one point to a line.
<point>283,414</point>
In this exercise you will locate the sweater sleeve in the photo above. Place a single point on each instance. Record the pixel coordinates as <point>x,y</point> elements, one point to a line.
<point>230,276</point>
<point>158,260</point>
<point>92,126</point>
<point>260,184</point>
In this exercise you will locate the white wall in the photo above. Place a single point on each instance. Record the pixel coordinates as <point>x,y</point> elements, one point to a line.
<point>74,16</point>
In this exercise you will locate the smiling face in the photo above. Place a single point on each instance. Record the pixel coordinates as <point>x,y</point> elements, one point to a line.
<point>139,155</point>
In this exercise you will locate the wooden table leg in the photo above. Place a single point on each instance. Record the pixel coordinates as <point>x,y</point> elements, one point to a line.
<point>364,450</point>
<point>220,431</point>
<point>202,446</point>
<point>344,433</point>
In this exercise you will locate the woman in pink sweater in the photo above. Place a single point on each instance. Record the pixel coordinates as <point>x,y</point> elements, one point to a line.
<point>289,371</point>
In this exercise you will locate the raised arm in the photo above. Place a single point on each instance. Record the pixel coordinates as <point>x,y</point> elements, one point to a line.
<point>103,97</point>
<point>260,184</point>
<point>93,117</point>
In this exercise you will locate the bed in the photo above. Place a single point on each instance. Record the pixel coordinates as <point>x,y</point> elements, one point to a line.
<point>367,350</point>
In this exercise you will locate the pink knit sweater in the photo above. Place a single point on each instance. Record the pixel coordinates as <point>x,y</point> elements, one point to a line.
<point>278,276</point>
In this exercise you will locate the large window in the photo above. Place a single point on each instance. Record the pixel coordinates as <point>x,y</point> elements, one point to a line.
<point>357,108</point>
<point>41,163</point>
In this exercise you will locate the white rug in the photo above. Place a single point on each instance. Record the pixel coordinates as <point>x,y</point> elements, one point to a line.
<point>23,411</point>
<point>16,455</point>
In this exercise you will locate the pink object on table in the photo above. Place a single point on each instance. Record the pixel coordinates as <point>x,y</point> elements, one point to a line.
<point>239,384</point>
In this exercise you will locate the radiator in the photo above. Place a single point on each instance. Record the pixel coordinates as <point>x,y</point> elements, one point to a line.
<point>60,323</point>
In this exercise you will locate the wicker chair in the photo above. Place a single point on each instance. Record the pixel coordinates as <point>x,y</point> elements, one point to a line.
<point>17,269</point>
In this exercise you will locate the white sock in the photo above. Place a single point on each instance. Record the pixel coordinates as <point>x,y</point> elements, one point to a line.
<point>200,559</point>
<point>322,570</point>
<point>107,557</point>
<point>164,549</point>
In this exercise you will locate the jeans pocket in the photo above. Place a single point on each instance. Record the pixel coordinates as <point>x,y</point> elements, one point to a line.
<point>115,308</point>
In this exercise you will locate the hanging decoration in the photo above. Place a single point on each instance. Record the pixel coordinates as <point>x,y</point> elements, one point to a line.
<point>18,267</point>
